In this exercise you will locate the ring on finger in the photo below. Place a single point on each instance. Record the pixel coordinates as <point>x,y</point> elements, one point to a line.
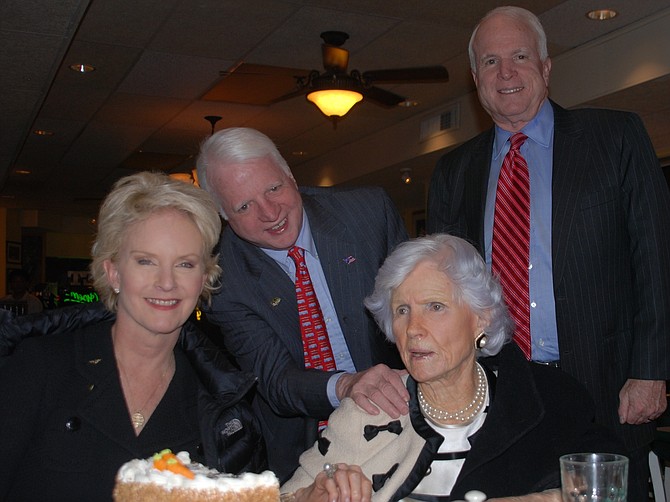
<point>330,469</point>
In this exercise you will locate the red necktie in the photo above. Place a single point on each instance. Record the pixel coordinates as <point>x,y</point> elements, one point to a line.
<point>316,344</point>
<point>511,239</point>
<point>317,351</point>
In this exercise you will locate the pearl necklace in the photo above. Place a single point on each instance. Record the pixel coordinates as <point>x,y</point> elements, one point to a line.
<point>464,415</point>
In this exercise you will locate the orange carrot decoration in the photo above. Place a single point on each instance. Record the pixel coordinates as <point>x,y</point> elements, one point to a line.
<point>168,461</point>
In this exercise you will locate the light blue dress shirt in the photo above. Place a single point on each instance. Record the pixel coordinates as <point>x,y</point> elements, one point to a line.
<point>343,360</point>
<point>538,152</point>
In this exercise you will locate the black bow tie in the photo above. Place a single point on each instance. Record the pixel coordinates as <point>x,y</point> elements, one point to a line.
<point>371,431</point>
<point>378,480</point>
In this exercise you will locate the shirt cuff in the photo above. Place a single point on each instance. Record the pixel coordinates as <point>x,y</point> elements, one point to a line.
<point>332,383</point>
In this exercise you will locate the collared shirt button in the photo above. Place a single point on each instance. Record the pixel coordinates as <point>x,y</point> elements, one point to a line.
<point>533,304</point>
<point>530,266</point>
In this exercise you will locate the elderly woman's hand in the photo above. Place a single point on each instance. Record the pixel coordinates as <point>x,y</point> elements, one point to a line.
<point>348,484</point>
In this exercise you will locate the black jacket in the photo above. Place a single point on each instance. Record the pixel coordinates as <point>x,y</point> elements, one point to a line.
<point>229,433</point>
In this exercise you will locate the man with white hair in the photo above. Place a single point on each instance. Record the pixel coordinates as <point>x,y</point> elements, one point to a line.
<point>577,199</point>
<point>341,237</point>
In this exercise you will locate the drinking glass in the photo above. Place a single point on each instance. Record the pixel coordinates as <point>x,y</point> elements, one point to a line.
<point>587,477</point>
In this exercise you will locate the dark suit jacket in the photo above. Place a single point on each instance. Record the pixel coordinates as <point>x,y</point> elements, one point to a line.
<point>610,247</point>
<point>354,230</point>
<point>536,414</point>
<point>64,425</point>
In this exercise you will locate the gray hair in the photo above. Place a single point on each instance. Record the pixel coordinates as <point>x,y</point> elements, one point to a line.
<point>464,267</point>
<point>235,145</point>
<point>519,14</point>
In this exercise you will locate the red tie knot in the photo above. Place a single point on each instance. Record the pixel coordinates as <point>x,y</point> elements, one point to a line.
<point>517,140</point>
<point>296,254</point>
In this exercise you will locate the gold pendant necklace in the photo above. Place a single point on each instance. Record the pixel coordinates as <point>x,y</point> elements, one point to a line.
<point>137,418</point>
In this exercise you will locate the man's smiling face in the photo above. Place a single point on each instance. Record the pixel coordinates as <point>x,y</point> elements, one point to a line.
<point>512,81</point>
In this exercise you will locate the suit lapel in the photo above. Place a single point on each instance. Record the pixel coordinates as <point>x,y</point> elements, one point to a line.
<point>476,184</point>
<point>104,408</point>
<point>342,261</point>
<point>570,165</point>
<point>517,410</point>
<point>343,264</point>
<point>275,293</point>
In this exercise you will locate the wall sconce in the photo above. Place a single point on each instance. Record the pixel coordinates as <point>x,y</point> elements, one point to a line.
<point>406,175</point>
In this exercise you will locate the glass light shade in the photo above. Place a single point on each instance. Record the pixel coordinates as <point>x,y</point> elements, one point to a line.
<point>334,102</point>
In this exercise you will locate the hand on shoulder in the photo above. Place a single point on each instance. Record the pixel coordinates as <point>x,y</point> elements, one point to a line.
<point>379,387</point>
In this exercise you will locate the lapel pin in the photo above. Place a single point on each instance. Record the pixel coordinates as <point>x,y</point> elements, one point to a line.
<point>275,301</point>
<point>94,361</point>
<point>349,260</point>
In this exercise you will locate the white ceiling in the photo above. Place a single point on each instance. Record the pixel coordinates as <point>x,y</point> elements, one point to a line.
<point>142,107</point>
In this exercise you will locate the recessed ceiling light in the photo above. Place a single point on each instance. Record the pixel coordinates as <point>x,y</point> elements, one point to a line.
<point>22,171</point>
<point>601,14</point>
<point>82,68</point>
<point>408,103</point>
<point>43,132</point>
<point>299,153</point>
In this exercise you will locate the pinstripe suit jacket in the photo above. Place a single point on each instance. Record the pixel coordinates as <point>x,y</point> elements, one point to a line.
<point>610,247</point>
<point>257,312</point>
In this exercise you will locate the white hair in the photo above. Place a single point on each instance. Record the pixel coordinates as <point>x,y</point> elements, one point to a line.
<point>519,14</point>
<point>464,267</point>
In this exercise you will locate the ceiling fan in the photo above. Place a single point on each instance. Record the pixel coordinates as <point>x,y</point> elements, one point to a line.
<point>334,91</point>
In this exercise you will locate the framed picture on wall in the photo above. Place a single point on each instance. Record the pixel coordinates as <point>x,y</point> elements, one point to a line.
<point>419,223</point>
<point>14,252</point>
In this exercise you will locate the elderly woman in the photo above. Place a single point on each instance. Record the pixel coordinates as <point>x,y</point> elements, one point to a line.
<point>476,422</point>
<point>78,404</point>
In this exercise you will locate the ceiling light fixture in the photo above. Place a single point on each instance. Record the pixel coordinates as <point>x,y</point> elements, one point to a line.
<point>82,68</point>
<point>406,175</point>
<point>213,119</point>
<point>334,93</point>
<point>334,102</point>
<point>601,14</point>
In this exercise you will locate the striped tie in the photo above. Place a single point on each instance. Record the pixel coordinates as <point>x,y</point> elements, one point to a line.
<point>511,239</point>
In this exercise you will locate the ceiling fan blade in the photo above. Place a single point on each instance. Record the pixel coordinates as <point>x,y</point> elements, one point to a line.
<point>290,95</point>
<point>255,84</point>
<point>424,74</point>
<point>335,59</point>
<point>382,97</point>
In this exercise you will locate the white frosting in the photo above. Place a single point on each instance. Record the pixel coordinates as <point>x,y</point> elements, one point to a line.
<point>143,471</point>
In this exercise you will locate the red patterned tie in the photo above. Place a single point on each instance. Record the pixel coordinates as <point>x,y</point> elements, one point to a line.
<point>317,351</point>
<point>511,239</point>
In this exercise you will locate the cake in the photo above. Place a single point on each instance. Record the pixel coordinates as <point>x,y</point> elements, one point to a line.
<point>174,478</point>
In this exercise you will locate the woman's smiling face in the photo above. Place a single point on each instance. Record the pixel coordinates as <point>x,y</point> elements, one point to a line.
<point>159,271</point>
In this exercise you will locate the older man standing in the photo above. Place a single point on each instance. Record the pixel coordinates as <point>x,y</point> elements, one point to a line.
<point>282,248</point>
<point>571,210</point>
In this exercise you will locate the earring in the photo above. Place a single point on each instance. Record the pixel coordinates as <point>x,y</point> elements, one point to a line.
<point>480,341</point>
<point>117,290</point>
